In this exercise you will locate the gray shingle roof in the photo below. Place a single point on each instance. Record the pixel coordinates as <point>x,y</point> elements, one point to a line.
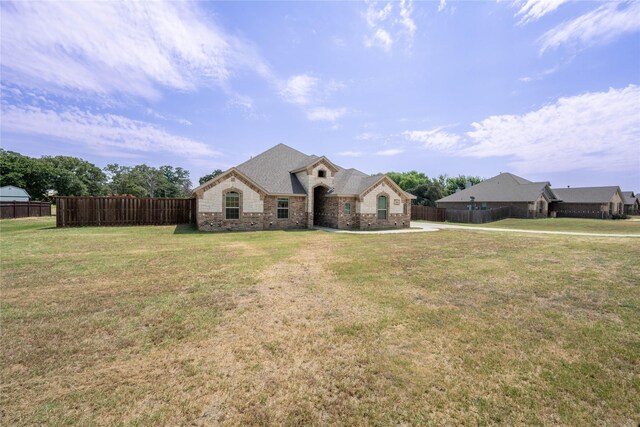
<point>270,170</point>
<point>628,197</point>
<point>586,194</point>
<point>505,187</point>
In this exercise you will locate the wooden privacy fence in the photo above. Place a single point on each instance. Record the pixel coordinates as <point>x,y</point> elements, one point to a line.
<point>427,213</point>
<point>24,209</point>
<point>478,216</point>
<point>114,211</point>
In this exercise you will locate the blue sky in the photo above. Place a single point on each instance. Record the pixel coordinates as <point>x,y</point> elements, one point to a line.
<point>545,89</point>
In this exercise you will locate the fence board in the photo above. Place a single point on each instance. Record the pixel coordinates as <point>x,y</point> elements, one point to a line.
<point>427,213</point>
<point>117,211</point>
<point>477,216</point>
<point>24,209</point>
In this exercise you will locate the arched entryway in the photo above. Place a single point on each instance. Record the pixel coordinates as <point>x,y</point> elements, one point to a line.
<point>320,206</point>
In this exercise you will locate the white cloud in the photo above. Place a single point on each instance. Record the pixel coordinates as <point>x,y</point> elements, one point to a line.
<point>433,139</point>
<point>389,152</point>
<point>185,122</point>
<point>532,10</point>
<point>386,25</point>
<point>367,136</point>
<point>596,131</point>
<point>103,133</point>
<point>442,5</point>
<point>299,89</point>
<point>596,27</point>
<point>406,9</point>
<point>326,114</point>
<point>118,47</point>
<point>539,76</point>
<point>380,38</point>
<point>350,153</point>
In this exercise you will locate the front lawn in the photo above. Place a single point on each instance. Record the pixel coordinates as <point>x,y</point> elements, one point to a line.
<point>167,326</point>
<point>566,224</point>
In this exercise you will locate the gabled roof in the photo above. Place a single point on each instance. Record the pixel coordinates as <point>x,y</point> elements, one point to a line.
<point>274,172</point>
<point>12,191</point>
<point>586,194</point>
<point>271,169</point>
<point>505,187</point>
<point>628,197</point>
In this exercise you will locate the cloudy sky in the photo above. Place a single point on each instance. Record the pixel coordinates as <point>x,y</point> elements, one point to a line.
<point>546,89</point>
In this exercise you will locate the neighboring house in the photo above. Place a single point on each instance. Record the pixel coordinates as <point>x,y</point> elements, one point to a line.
<point>283,188</point>
<point>527,199</point>
<point>588,202</point>
<point>10,193</point>
<point>631,202</point>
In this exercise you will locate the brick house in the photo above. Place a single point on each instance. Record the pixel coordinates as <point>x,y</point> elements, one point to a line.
<point>525,198</point>
<point>588,202</point>
<point>631,202</point>
<point>283,188</point>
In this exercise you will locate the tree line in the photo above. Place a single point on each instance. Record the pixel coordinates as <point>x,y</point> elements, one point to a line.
<point>48,176</point>
<point>428,190</point>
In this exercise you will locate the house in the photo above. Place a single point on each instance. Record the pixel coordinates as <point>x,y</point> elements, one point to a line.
<point>527,199</point>
<point>631,202</point>
<point>588,202</point>
<point>283,188</point>
<point>10,193</point>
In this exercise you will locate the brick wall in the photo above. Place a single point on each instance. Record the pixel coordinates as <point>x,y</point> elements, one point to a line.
<point>297,215</point>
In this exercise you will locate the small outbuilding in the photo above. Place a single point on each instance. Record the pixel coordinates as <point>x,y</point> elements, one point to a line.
<point>9,193</point>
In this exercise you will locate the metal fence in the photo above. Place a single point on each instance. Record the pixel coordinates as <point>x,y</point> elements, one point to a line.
<point>24,209</point>
<point>427,213</point>
<point>477,216</point>
<point>116,211</point>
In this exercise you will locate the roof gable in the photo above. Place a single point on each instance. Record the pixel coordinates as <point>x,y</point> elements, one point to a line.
<point>505,187</point>
<point>13,191</point>
<point>587,194</point>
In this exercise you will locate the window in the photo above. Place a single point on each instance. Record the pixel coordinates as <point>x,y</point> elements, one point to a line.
<point>232,205</point>
<point>483,206</point>
<point>283,208</point>
<point>322,173</point>
<point>404,208</point>
<point>382,207</point>
<point>347,208</point>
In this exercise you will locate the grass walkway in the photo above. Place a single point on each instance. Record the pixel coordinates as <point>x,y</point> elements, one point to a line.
<point>168,326</point>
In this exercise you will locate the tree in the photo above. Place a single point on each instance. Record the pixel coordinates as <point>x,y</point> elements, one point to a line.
<point>210,176</point>
<point>459,182</point>
<point>25,172</point>
<point>178,182</point>
<point>428,193</point>
<point>408,180</point>
<point>75,177</point>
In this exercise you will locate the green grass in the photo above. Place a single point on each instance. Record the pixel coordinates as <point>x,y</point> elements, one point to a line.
<point>168,326</point>
<point>566,224</point>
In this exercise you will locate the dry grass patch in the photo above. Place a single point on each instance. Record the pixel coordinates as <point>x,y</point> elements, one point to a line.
<point>166,326</point>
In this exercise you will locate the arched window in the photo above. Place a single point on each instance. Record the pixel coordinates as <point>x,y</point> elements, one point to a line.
<point>382,207</point>
<point>232,205</point>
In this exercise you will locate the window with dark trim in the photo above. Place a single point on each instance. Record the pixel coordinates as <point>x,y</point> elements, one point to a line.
<point>322,173</point>
<point>283,208</point>
<point>232,205</point>
<point>347,209</point>
<point>483,206</point>
<point>404,208</point>
<point>382,207</point>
